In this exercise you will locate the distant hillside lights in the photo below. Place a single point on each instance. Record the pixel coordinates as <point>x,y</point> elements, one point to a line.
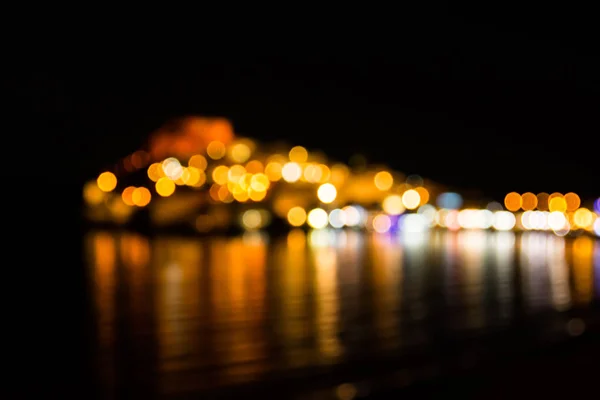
<point>235,179</point>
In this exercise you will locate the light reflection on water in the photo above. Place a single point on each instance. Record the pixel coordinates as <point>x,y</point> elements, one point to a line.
<point>206,312</point>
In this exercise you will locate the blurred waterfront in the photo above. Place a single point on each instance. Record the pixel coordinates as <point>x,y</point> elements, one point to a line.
<point>181,315</point>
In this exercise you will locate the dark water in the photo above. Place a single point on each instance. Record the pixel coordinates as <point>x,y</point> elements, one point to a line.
<point>188,315</point>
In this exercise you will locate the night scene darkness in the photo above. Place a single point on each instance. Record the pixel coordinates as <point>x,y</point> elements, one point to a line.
<point>412,211</point>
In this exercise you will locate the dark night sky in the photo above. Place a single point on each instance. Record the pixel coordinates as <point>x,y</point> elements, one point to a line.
<point>438,85</point>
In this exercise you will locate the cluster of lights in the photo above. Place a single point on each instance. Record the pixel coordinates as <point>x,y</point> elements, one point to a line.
<point>304,190</point>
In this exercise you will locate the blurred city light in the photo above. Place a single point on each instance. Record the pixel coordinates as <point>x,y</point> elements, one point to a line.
<point>226,176</point>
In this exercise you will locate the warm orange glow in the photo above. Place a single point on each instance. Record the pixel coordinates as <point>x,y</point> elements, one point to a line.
<point>513,201</point>
<point>92,193</point>
<point>141,197</point>
<point>529,201</point>
<point>220,175</point>
<point>216,150</point>
<point>127,195</point>
<point>296,216</point>
<point>107,181</point>
<point>198,161</point>
<point>573,201</point>
<point>255,167</point>
<point>383,180</point>
<point>298,154</point>
<point>423,194</point>
<point>187,136</point>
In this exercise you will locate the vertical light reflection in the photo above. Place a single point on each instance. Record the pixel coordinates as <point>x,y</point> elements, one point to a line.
<point>327,301</point>
<point>104,253</point>
<point>176,263</point>
<point>387,279</point>
<point>135,257</point>
<point>239,309</point>
<point>597,267</point>
<point>292,293</point>
<point>101,252</point>
<point>558,269</point>
<point>505,253</point>
<point>534,269</point>
<point>413,289</point>
<point>472,245</point>
<point>583,270</point>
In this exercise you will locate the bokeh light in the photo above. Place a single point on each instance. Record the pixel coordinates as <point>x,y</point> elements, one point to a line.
<point>165,187</point>
<point>411,199</point>
<point>449,200</point>
<point>317,218</point>
<point>172,168</point>
<point>141,197</point>
<point>572,201</point>
<point>216,150</point>
<point>383,180</point>
<point>296,216</point>
<point>504,220</point>
<point>513,201</point>
<point>107,181</point>
<point>529,201</point>
<point>557,204</point>
<point>298,154</point>
<point>198,161</point>
<point>337,218</point>
<point>291,172</point>
<point>327,193</point>
<point>382,223</point>
<point>127,195</point>
<point>393,205</point>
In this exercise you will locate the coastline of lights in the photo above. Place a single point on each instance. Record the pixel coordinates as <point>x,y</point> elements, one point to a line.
<point>198,173</point>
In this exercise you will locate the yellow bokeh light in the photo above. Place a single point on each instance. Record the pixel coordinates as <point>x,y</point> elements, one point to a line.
<point>317,218</point>
<point>235,173</point>
<point>220,175</point>
<point>312,173</point>
<point>557,204</point>
<point>165,187</point>
<point>216,150</point>
<point>198,161</point>
<point>107,181</point>
<point>383,180</point>
<point>252,219</point>
<point>241,195</point>
<point>411,199</point>
<point>291,172</point>
<point>393,205</point>
<point>327,193</point>
<point>127,195</point>
<point>184,178</point>
<point>325,173</point>
<point>296,216</point>
<point>382,223</point>
<point>92,193</point>
<point>155,172</point>
<point>257,195</point>
<point>513,201</point>
<point>273,171</point>
<point>583,218</point>
<point>260,182</point>
<point>240,152</point>
<point>529,201</point>
<point>573,201</point>
<point>298,154</point>
<point>197,177</point>
<point>255,167</point>
<point>424,194</point>
<point>141,197</point>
